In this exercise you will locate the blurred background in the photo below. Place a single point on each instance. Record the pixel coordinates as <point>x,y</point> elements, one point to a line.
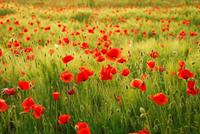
<point>107,3</point>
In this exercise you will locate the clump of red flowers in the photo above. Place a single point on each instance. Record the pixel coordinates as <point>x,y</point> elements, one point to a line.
<point>37,110</point>
<point>107,72</point>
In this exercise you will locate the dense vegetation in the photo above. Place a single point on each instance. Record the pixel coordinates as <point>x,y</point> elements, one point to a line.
<point>115,70</point>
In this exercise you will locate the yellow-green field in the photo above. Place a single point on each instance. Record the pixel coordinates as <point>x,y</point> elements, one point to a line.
<point>100,69</point>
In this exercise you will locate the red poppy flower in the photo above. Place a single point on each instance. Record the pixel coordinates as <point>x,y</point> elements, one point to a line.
<point>154,54</point>
<point>30,57</point>
<point>83,75</point>
<point>67,59</point>
<point>145,131</point>
<point>84,45</point>
<point>144,76</point>
<point>192,92</point>
<point>113,54</point>
<point>28,50</point>
<point>103,51</point>
<point>38,111</point>
<point>25,30</point>
<point>90,30</point>
<point>185,74</point>
<point>191,84</point>
<point>191,89</point>
<point>137,83</point>
<point>24,85</point>
<point>113,70</point>
<point>27,104</point>
<point>9,91</point>
<point>1,52</point>
<point>84,131</point>
<point>28,38</point>
<point>47,28</point>
<point>182,34</point>
<point>51,51</point>
<point>151,64</point>
<point>125,72</point>
<point>3,105</point>
<point>82,128</point>
<point>193,34</point>
<point>159,98</point>
<point>16,52</point>
<point>66,40</point>
<point>66,77</point>
<point>10,28</point>
<point>55,95</point>
<point>16,23</point>
<point>17,44</point>
<point>81,125</point>
<point>63,119</point>
<point>96,53</point>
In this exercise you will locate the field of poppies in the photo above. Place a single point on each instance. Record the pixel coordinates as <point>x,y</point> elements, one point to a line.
<point>83,70</point>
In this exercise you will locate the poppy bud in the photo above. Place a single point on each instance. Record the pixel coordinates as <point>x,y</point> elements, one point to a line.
<point>56,95</point>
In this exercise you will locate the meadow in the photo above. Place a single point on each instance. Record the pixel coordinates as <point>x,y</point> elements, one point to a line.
<point>98,69</point>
